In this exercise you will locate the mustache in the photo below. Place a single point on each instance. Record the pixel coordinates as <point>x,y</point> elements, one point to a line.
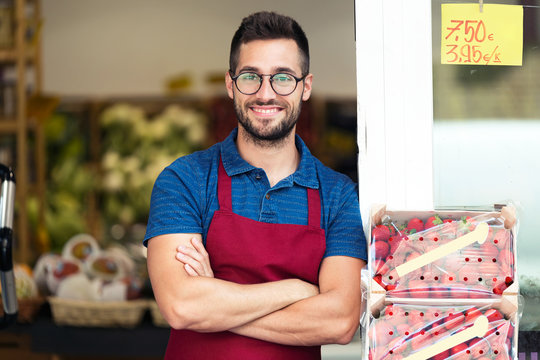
<point>266,103</point>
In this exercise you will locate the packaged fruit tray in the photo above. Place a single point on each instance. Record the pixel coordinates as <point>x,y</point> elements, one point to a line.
<point>444,331</point>
<point>443,254</point>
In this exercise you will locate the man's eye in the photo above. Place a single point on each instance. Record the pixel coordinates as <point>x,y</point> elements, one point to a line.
<point>282,78</point>
<point>250,77</point>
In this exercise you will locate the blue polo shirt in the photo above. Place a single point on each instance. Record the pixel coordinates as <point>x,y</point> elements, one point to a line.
<point>184,197</point>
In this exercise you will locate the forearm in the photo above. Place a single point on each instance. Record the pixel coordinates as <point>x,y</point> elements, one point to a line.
<point>207,304</point>
<point>323,319</point>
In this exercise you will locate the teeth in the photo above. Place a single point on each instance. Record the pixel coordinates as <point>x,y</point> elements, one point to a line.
<point>266,111</point>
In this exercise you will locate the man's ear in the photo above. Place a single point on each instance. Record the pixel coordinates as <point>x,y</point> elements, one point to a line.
<point>307,87</point>
<point>229,83</point>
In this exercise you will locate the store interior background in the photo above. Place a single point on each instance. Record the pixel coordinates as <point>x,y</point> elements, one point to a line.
<point>117,63</point>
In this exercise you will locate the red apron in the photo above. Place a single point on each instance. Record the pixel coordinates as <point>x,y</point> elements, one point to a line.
<point>246,251</point>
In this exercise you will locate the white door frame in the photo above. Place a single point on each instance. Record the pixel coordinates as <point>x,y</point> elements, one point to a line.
<point>395,104</point>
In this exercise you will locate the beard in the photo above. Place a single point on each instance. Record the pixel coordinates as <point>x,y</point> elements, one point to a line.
<point>267,136</point>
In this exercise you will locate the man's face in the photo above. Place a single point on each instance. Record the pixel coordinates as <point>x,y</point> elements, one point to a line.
<point>266,115</point>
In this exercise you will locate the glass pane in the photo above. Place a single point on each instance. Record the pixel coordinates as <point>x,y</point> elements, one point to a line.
<point>486,134</point>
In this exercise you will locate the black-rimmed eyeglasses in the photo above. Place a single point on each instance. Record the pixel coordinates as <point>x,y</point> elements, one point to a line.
<point>283,84</point>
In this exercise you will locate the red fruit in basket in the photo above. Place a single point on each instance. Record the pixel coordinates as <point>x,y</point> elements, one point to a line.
<point>383,332</point>
<point>506,257</point>
<point>65,268</point>
<point>381,249</point>
<point>493,315</point>
<point>397,347</point>
<point>489,251</point>
<point>479,348</point>
<point>432,239</point>
<point>510,331</point>
<point>467,275</point>
<point>379,266</point>
<point>441,356</point>
<point>418,289</point>
<point>471,314</point>
<point>454,320</point>
<point>415,224</point>
<point>413,254</point>
<point>433,221</point>
<point>378,279</point>
<point>420,339</point>
<point>380,232</point>
<point>501,238</point>
<point>458,349</point>
<point>403,329</point>
<point>498,288</point>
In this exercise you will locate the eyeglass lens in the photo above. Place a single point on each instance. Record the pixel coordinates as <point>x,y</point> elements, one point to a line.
<point>250,83</point>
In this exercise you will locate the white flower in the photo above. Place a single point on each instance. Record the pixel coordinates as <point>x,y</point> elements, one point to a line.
<point>110,160</point>
<point>113,181</point>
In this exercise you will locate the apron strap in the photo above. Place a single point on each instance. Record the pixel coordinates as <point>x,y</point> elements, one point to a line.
<point>314,208</point>
<point>224,188</point>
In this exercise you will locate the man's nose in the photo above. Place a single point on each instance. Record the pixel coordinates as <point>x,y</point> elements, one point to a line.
<point>266,91</point>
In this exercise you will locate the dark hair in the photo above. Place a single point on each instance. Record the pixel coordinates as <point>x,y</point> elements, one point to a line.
<point>267,25</point>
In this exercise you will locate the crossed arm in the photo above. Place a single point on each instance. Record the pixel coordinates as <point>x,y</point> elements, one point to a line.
<point>288,311</point>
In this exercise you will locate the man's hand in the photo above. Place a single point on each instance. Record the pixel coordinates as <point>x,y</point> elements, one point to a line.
<point>196,260</point>
<point>207,304</point>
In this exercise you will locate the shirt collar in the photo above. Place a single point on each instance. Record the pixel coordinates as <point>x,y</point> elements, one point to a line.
<point>233,163</point>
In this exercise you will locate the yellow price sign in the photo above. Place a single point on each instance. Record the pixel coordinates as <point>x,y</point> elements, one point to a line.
<point>493,36</point>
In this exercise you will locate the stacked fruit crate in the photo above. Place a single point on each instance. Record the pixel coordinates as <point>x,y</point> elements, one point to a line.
<point>443,285</point>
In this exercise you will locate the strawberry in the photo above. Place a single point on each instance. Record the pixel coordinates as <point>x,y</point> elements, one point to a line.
<point>493,315</point>
<point>479,348</point>
<point>458,348</point>
<point>381,249</point>
<point>453,320</point>
<point>415,225</point>
<point>501,238</point>
<point>379,267</point>
<point>380,232</point>
<point>471,314</point>
<point>442,355</point>
<point>433,221</point>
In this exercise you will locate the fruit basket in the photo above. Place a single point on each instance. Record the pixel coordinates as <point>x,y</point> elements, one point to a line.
<point>87,313</point>
<point>416,331</point>
<point>444,254</point>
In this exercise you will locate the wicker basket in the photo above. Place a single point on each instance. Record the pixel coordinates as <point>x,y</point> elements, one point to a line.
<point>28,308</point>
<point>157,318</point>
<point>85,313</point>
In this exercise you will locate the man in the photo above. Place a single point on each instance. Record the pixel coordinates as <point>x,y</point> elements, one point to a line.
<point>254,247</point>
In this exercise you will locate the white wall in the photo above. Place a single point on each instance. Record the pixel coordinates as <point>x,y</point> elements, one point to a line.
<point>131,47</point>
<point>475,159</point>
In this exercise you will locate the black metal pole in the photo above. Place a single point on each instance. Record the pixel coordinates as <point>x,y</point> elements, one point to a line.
<point>7,277</point>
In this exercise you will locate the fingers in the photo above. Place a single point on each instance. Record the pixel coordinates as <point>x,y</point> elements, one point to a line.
<point>197,244</point>
<point>196,257</point>
<point>190,270</point>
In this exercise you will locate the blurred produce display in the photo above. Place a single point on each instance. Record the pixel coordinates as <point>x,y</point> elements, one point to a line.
<point>100,181</point>
<point>135,149</point>
<point>85,271</point>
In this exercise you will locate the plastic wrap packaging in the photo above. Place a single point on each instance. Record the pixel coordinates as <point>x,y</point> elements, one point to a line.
<point>443,254</point>
<point>443,331</point>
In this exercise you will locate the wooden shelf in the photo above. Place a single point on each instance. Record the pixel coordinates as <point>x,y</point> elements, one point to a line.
<point>11,55</point>
<point>10,126</point>
<point>29,153</point>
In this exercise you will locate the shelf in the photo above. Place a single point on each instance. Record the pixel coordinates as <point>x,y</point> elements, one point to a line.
<point>9,55</point>
<point>9,126</point>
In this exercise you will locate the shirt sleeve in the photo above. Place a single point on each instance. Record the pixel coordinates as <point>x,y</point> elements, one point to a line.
<point>175,201</point>
<point>345,233</point>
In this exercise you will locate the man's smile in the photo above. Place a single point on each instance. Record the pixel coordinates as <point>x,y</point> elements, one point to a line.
<point>265,110</point>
